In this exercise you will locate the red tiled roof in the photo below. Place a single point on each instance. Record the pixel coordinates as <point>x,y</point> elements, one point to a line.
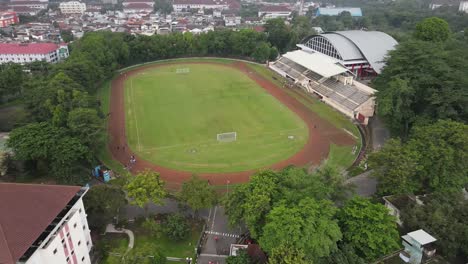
<point>138,6</point>
<point>31,48</point>
<point>274,9</point>
<point>25,212</point>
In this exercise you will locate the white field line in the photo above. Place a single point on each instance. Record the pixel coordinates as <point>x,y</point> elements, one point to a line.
<point>134,114</point>
<point>276,133</point>
<point>350,133</point>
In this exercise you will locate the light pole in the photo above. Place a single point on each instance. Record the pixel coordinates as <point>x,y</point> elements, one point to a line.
<point>189,260</point>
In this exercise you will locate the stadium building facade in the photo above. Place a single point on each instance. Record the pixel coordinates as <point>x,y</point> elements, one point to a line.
<point>328,64</point>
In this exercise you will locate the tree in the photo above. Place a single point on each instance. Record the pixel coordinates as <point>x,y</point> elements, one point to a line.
<point>241,258</point>
<point>278,33</point>
<point>102,203</point>
<point>368,228</point>
<point>443,150</point>
<point>423,80</point>
<point>176,227</point>
<point>310,227</point>
<point>302,27</point>
<point>233,204</point>
<point>151,227</point>
<point>344,255</point>
<point>146,253</point>
<point>396,101</point>
<point>144,188</point>
<point>259,201</point>
<point>396,168</point>
<point>197,194</point>
<point>50,145</point>
<point>85,124</point>
<point>262,52</point>
<point>432,29</point>
<point>12,78</point>
<point>287,254</point>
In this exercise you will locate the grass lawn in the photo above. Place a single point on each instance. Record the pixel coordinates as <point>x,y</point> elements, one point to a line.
<point>178,249</point>
<point>173,119</point>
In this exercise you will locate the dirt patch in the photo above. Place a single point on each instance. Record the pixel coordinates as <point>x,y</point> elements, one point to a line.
<point>321,132</point>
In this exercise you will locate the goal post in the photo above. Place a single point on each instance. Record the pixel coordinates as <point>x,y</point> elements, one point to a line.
<point>226,137</point>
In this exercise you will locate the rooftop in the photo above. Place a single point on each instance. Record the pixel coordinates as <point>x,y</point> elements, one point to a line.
<point>31,48</point>
<point>422,237</point>
<point>26,210</point>
<point>317,62</point>
<point>334,11</point>
<point>274,9</point>
<point>200,2</point>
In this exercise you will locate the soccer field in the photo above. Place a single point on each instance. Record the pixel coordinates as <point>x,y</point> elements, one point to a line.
<point>173,118</point>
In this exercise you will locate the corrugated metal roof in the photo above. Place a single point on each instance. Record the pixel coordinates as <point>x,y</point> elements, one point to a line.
<point>373,45</point>
<point>325,11</point>
<point>344,46</point>
<point>316,62</point>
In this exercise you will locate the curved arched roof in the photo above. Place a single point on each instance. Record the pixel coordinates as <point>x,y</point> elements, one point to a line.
<point>357,44</point>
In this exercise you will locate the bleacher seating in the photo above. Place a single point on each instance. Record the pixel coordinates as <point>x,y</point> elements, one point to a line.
<point>347,96</point>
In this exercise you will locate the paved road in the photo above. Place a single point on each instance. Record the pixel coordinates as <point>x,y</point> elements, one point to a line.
<point>219,237</point>
<point>365,185</point>
<point>379,132</point>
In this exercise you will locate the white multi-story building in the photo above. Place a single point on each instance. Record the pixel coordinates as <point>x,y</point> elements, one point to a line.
<point>133,2</point>
<point>29,4</point>
<point>28,52</point>
<point>43,224</point>
<point>463,6</point>
<point>72,7</point>
<point>269,12</point>
<point>181,5</point>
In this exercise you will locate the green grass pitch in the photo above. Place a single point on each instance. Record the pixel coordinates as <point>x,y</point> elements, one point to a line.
<point>172,119</point>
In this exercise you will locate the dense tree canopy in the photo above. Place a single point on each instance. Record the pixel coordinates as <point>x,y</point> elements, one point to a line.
<point>102,203</point>
<point>296,225</point>
<point>432,29</point>
<point>197,194</point>
<point>433,160</point>
<point>290,208</point>
<point>423,81</point>
<point>144,188</point>
<point>369,228</point>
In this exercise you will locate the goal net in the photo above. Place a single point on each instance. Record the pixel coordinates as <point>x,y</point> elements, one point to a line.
<point>183,70</point>
<point>226,137</point>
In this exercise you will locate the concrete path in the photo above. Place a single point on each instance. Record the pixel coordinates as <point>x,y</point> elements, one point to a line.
<point>364,184</point>
<point>110,228</point>
<point>379,133</point>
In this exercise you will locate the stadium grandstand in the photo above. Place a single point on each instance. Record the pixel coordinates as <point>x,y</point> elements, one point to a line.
<point>362,52</point>
<point>328,79</point>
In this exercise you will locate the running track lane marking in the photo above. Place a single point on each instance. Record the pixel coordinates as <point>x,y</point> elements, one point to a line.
<point>134,113</point>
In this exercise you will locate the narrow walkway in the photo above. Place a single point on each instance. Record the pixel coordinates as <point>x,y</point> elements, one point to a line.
<point>110,228</point>
<point>364,184</point>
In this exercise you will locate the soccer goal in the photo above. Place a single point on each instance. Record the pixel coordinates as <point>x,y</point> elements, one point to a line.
<point>183,70</point>
<point>227,137</point>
